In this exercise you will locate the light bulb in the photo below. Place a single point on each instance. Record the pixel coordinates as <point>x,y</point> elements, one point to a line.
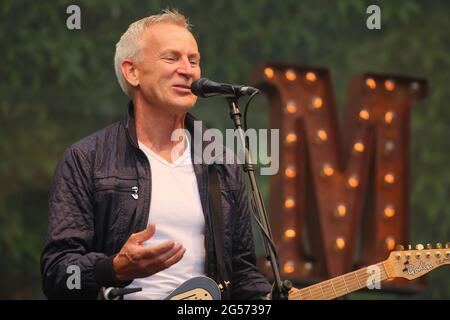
<point>290,75</point>
<point>269,73</point>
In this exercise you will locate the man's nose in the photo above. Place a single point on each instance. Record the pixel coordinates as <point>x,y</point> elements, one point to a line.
<point>185,67</point>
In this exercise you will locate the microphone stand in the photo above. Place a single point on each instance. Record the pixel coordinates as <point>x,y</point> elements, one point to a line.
<point>115,293</point>
<point>280,288</point>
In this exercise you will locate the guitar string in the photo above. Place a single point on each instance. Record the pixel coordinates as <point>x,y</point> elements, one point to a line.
<point>330,282</point>
<point>320,284</point>
<point>395,262</point>
<point>336,285</point>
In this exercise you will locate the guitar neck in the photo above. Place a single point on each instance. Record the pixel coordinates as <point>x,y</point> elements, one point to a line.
<point>344,284</point>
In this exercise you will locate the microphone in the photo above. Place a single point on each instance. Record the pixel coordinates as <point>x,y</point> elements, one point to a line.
<point>206,88</point>
<point>113,293</point>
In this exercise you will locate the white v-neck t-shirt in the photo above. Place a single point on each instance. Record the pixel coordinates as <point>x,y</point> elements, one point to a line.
<point>176,209</point>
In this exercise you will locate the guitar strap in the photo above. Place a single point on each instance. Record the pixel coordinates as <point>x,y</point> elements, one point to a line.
<point>215,208</point>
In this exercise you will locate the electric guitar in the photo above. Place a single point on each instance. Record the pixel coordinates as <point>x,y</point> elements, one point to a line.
<point>408,264</point>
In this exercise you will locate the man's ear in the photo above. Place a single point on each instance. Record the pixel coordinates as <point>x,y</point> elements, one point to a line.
<point>130,72</point>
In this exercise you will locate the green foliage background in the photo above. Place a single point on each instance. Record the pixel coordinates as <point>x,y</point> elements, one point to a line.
<point>58,85</point>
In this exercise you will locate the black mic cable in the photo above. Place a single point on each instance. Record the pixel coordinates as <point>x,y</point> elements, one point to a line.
<point>114,293</point>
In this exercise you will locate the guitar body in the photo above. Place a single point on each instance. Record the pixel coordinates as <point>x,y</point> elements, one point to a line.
<point>198,288</point>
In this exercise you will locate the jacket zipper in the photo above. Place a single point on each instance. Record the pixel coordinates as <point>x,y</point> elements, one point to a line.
<point>134,191</point>
<point>147,203</point>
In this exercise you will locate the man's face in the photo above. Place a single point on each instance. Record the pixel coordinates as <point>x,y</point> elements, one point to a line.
<point>167,65</point>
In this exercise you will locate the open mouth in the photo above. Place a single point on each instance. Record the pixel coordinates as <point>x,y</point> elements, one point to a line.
<point>182,87</point>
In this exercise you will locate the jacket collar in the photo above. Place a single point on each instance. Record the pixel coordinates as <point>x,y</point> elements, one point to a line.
<point>130,125</point>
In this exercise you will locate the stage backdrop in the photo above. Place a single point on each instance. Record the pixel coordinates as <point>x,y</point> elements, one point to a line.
<point>58,85</point>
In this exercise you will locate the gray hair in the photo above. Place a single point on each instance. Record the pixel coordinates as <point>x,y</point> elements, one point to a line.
<point>129,45</point>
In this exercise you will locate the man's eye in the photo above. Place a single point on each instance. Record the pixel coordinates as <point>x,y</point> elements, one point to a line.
<point>194,62</point>
<point>170,58</point>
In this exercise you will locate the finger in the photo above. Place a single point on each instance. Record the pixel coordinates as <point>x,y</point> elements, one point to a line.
<point>175,258</point>
<point>293,290</point>
<point>177,250</point>
<point>167,260</point>
<point>155,251</point>
<point>144,235</point>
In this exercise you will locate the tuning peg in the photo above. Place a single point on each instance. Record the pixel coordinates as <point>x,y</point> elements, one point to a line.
<point>429,246</point>
<point>399,247</point>
<point>409,247</point>
<point>438,245</point>
<point>447,245</point>
<point>419,246</point>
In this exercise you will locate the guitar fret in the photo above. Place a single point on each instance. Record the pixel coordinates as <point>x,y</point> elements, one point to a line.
<point>345,283</point>
<point>320,286</point>
<point>326,289</point>
<point>356,283</point>
<point>339,287</point>
<point>350,281</point>
<point>334,290</point>
<point>363,276</point>
<point>319,292</point>
<point>309,288</point>
<point>367,276</point>
<point>313,291</point>
<point>356,276</point>
<point>305,294</point>
<point>385,270</point>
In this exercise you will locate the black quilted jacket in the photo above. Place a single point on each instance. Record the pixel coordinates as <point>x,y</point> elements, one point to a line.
<point>100,195</point>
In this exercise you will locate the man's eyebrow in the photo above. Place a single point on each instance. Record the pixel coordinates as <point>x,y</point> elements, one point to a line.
<point>169,51</point>
<point>173,51</point>
<point>195,55</point>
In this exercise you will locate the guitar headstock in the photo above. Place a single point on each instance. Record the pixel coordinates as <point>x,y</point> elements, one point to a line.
<point>414,263</point>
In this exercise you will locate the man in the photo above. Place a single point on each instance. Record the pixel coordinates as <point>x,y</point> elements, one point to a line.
<point>129,207</point>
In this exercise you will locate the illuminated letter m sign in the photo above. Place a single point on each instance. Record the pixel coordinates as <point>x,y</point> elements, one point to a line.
<point>337,183</point>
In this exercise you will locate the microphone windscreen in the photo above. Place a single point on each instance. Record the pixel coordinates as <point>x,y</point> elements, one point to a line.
<point>197,87</point>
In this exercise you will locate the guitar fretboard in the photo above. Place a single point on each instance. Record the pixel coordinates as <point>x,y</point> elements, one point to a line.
<point>342,285</point>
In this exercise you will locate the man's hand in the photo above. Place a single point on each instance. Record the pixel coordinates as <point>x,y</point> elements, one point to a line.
<point>136,261</point>
<point>293,291</point>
